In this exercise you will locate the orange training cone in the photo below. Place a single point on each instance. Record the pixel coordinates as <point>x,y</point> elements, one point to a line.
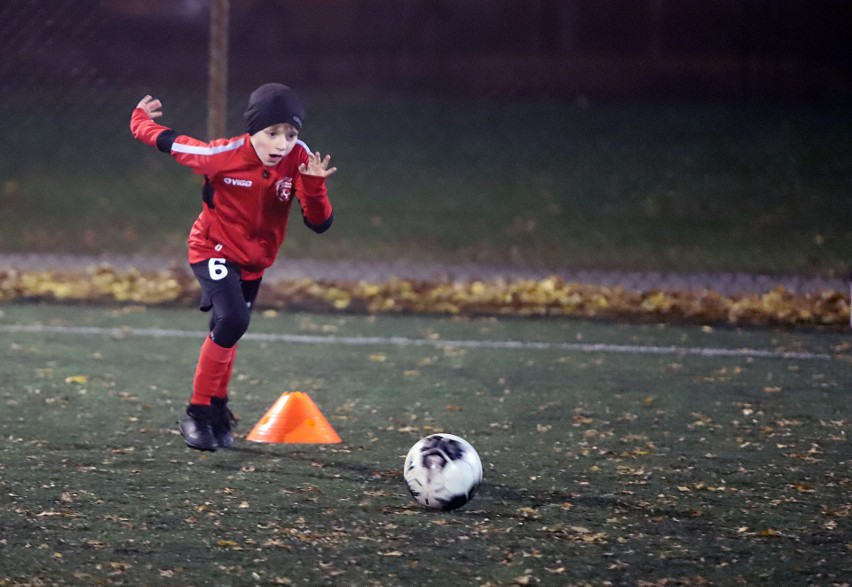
<point>294,418</point>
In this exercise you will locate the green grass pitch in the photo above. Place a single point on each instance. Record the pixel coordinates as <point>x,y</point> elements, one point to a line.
<point>669,455</point>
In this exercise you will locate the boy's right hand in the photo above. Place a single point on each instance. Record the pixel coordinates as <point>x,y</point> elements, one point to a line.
<point>151,106</point>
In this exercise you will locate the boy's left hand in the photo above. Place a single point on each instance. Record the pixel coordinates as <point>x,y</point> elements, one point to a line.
<point>316,165</point>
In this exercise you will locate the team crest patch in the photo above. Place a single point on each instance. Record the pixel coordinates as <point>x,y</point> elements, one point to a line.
<point>284,189</point>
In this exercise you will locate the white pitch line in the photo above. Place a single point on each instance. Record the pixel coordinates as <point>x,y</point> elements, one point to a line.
<point>404,341</point>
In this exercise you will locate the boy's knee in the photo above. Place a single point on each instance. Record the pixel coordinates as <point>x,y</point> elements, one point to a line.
<point>229,328</point>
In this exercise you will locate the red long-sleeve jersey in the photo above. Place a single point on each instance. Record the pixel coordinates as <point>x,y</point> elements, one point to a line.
<point>246,204</point>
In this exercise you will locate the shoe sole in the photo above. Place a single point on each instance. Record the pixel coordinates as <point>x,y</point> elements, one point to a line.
<point>199,448</point>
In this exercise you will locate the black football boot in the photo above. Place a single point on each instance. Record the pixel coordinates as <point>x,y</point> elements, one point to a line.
<point>223,419</point>
<point>196,426</point>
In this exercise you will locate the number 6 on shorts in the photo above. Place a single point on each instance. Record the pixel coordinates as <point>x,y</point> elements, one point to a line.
<point>217,268</point>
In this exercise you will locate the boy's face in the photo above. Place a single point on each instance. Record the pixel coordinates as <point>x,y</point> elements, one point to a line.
<point>274,142</point>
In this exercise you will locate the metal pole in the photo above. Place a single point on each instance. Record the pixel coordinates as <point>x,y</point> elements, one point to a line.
<point>217,89</point>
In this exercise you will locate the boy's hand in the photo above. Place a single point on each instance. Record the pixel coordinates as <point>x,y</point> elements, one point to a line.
<point>316,165</point>
<point>151,106</point>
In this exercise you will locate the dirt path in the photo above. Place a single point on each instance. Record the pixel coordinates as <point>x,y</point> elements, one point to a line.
<point>374,271</point>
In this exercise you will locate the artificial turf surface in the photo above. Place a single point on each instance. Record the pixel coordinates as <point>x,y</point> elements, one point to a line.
<point>618,464</point>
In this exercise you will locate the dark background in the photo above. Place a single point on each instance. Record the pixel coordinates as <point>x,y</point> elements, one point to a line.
<point>742,49</point>
<point>683,135</point>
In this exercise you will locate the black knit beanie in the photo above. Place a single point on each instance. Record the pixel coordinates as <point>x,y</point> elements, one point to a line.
<point>273,104</point>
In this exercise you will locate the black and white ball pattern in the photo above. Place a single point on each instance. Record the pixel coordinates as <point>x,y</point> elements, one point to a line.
<point>443,471</point>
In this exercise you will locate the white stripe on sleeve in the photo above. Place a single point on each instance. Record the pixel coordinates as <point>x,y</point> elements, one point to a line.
<point>199,150</point>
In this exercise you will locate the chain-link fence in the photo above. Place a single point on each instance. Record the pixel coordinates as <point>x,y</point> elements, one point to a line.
<point>470,143</point>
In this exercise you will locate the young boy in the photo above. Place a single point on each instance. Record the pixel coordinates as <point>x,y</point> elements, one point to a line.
<point>250,182</point>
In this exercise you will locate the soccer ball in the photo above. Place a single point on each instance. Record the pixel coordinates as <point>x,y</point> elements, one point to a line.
<point>443,471</point>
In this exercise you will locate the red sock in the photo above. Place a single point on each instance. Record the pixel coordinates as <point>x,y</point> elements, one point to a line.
<point>222,390</point>
<point>212,366</point>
